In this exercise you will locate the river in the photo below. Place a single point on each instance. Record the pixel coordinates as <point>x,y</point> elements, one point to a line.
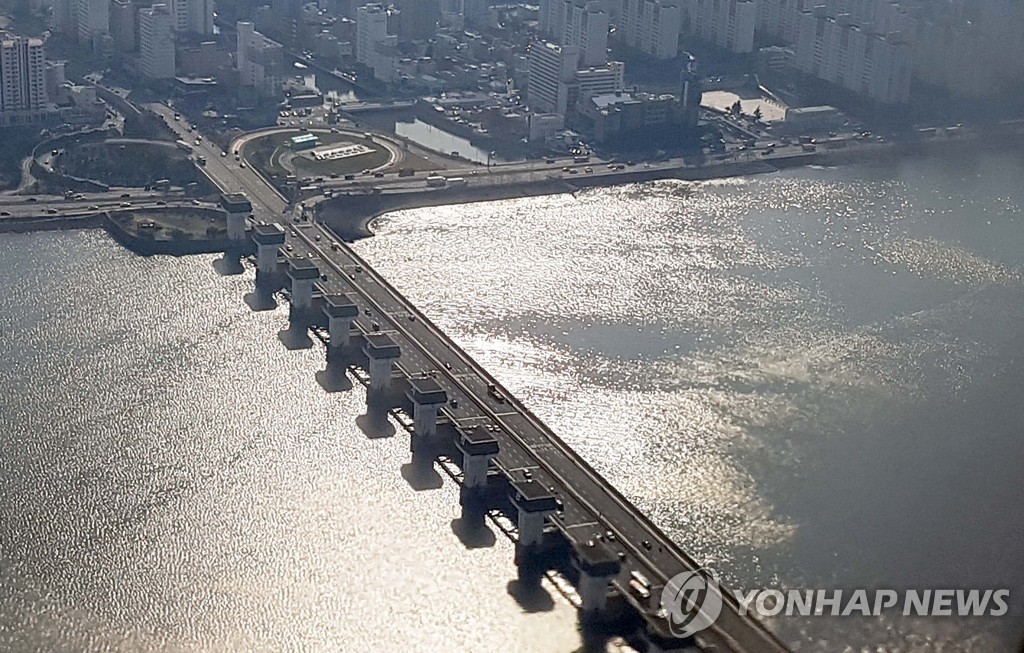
<point>808,379</point>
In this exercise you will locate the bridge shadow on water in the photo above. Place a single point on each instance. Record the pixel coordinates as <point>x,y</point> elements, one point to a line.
<point>260,300</point>
<point>473,532</point>
<point>420,474</point>
<point>228,265</point>
<point>374,424</point>
<point>333,379</point>
<point>530,595</point>
<point>295,337</point>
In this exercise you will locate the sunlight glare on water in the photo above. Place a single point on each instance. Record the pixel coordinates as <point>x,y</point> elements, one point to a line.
<point>807,378</point>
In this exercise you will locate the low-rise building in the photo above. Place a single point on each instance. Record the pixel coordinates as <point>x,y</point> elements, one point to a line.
<point>617,116</point>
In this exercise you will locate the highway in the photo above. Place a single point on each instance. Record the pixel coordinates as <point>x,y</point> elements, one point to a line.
<point>14,206</point>
<point>593,509</point>
<point>568,170</point>
<point>225,171</point>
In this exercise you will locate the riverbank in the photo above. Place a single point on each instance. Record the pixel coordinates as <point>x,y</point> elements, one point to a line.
<point>352,216</point>
<point>119,225</point>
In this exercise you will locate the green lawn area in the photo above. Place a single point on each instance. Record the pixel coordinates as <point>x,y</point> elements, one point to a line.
<point>264,153</point>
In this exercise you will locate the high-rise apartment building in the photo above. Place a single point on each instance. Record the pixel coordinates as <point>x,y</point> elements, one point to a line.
<point>195,16</point>
<point>371,28</point>
<point>22,74</point>
<point>651,26</point>
<point>93,19</point>
<point>375,47</point>
<point>556,83</point>
<point>156,42</point>
<point>581,23</point>
<point>853,57</point>
<point>418,19</point>
<point>552,69</point>
<point>260,61</point>
<point>122,25</point>
<point>726,23</point>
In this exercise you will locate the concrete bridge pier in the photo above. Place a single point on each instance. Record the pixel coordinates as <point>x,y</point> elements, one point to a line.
<point>268,238</point>
<point>382,351</point>
<point>534,503</point>
<point>341,312</point>
<point>427,396</point>
<point>238,208</point>
<point>303,274</point>
<point>236,226</point>
<point>478,447</point>
<point>597,566</point>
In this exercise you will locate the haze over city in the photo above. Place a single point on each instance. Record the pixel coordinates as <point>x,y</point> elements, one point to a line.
<point>579,325</point>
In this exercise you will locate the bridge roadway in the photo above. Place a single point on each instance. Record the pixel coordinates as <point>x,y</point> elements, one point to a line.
<point>592,507</point>
<point>14,206</point>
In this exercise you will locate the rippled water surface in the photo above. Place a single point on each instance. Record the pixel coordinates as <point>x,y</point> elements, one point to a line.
<point>809,379</point>
<point>172,478</point>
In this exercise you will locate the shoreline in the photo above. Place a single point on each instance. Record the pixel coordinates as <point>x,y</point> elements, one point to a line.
<point>351,217</point>
<point>122,236</point>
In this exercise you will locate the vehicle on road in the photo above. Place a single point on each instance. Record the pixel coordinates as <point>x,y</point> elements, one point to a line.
<point>495,393</point>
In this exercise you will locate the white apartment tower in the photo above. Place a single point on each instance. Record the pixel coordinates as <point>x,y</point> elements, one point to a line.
<point>22,74</point>
<point>552,69</point>
<point>156,42</point>
<point>375,48</point>
<point>853,57</point>
<point>371,29</point>
<point>651,26</point>
<point>555,83</point>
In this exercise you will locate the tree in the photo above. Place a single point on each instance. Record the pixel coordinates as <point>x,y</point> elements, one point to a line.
<point>757,114</point>
<point>736,109</point>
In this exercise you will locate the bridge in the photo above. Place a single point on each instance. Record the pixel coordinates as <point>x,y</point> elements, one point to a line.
<point>562,514</point>
<point>568,523</point>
